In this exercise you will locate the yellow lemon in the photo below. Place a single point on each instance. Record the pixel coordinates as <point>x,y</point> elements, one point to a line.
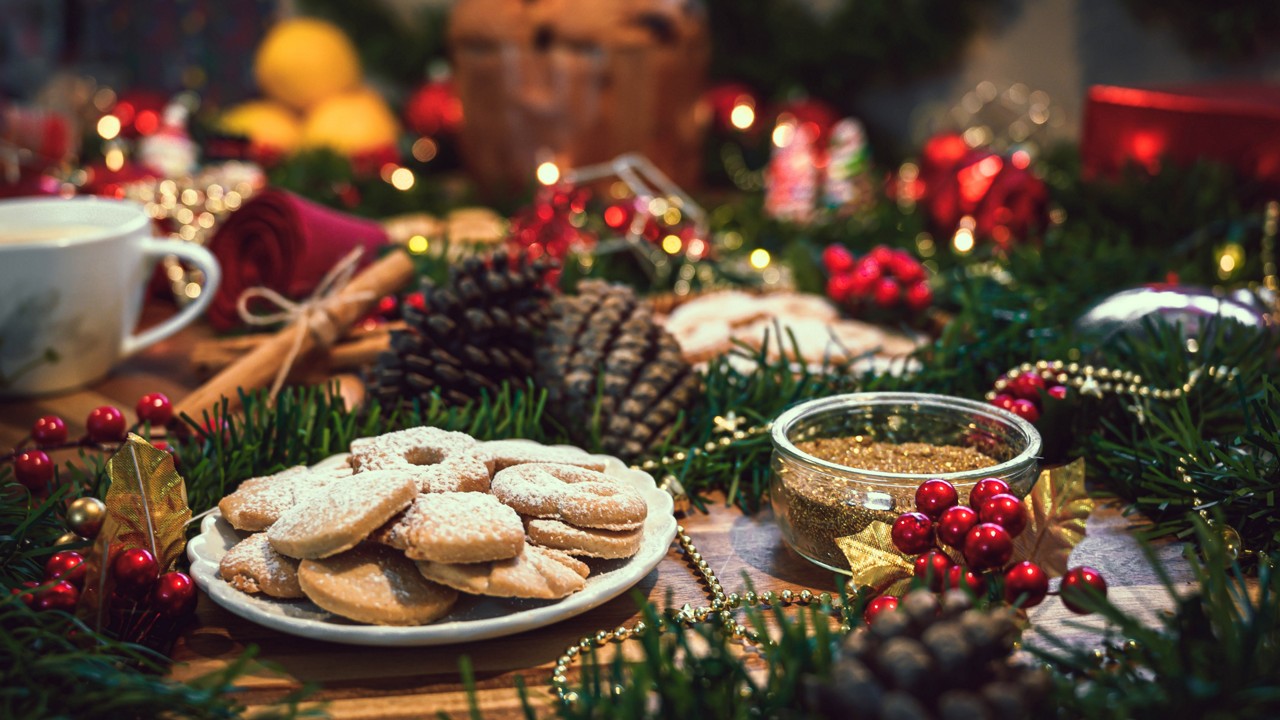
<point>302,61</point>
<point>351,123</point>
<point>266,123</point>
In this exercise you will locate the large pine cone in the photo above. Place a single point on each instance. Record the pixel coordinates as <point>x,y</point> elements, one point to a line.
<point>934,659</point>
<point>474,332</point>
<point>612,374</point>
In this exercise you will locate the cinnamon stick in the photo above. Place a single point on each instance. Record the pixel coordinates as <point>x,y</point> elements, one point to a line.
<point>259,367</point>
<point>354,351</point>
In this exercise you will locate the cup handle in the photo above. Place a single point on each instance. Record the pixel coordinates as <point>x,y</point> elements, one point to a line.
<point>202,259</point>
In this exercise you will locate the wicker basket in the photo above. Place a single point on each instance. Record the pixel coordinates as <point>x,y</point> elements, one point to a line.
<point>579,82</point>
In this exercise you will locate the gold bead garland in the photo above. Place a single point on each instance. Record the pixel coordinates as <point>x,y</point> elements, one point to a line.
<point>1098,381</point>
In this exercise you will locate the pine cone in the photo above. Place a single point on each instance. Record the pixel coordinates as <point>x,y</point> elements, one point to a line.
<point>611,372</point>
<point>475,332</point>
<point>933,659</point>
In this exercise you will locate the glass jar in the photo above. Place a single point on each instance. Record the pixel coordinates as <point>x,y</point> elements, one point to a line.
<point>816,501</point>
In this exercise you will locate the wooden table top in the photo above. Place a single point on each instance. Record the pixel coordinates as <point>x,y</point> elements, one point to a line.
<point>359,682</point>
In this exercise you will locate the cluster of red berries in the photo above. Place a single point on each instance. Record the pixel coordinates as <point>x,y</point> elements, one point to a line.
<point>883,277</point>
<point>1021,394</point>
<point>105,424</point>
<point>982,532</point>
<point>134,571</point>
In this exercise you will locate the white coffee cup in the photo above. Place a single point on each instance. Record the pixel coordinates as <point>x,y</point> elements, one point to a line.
<point>72,277</point>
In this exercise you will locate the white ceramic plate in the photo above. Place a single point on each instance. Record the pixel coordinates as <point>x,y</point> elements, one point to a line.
<point>473,618</point>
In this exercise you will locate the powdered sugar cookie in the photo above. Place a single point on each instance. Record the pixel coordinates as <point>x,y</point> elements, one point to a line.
<point>455,528</point>
<point>729,306</point>
<point>584,542</point>
<point>502,454</point>
<point>703,341</point>
<point>252,566</point>
<point>789,307</point>
<point>438,460</point>
<point>326,523</point>
<point>537,572</point>
<point>581,497</point>
<point>374,584</point>
<point>259,501</point>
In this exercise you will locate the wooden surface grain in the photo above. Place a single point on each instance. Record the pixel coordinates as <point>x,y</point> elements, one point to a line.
<point>360,682</point>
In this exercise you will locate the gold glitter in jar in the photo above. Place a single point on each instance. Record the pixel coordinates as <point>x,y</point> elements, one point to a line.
<point>913,457</point>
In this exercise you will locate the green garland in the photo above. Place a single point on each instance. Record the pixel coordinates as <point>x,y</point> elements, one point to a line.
<point>1232,31</point>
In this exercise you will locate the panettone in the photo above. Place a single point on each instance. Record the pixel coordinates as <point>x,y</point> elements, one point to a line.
<point>579,82</point>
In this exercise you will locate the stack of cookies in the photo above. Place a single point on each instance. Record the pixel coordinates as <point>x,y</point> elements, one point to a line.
<point>418,516</point>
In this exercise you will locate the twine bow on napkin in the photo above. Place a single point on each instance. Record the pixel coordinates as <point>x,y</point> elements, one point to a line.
<point>312,316</point>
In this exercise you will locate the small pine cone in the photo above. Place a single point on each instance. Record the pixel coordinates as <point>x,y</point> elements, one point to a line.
<point>611,372</point>
<point>475,332</point>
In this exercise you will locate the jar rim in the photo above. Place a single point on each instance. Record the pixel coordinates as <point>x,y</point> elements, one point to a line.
<point>1029,455</point>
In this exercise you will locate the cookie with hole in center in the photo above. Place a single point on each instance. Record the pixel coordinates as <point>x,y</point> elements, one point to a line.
<point>584,542</point>
<point>537,573</point>
<point>438,460</point>
<point>575,495</point>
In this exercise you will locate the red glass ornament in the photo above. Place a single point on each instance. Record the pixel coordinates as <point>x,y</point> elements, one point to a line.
<point>987,546</point>
<point>68,565</point>
<point>912,533</point>
<point>1058,392</point>
<point>1005,510</point>
<point>934,496</point>
<point>986,489</point>
<point>955,523</point>
<point>962,578</point>
<point>134,571</point>
<point>837,259</point>
<point>888,292</point>
<point>1025,409</point>
<point>62,596</point>
<point>1076,586</point>
<point>934,567</point>
<point>1027,582</point>
<point>33,469</point>
<point>49,430</point>
<point>943,151</point>
<point>1027,385</point>
<point>884,603</point>
<point>105,424</point>
<point>155,408</point>
<point>174,594</point>
<point>919,296</point>
<point>1004,402</point>
<point>434,108</point>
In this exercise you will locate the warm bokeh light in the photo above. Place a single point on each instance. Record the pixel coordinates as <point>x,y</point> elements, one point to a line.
<point>963,241</point>
<point>114,159</point>
<point>402,178</point>
<point>672,244</point>
<point>548,173</point>
<point>109,127</point>
<point>760,258</point>
<point>783,134</point>
<point>418,244</point>
<point>425,149</point>
<point>743,116</point>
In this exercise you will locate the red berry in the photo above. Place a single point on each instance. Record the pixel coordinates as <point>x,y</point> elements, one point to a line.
<point>934,567</point>
<point>155,408</point>
<point>837,259</point>
<point>1004,402</point>
<point>935,496</point>
<point>1080,583</point>
<point>135,571</point>
<point>962,578</point>
<point>34,469</point>
<point>105,424</point>
<point>1025,583</point>
<point>883,255</point>
<point>906,268</point>
<point>912,533</point>
<point>174,594</point>
<point>884,603</point>
<point>1058,392</point>
<point>1005,510</point>
<point>68,565</point>
<point>49,430</point>
<point>987,546</point>
<point>28,597</point>
<point>985,489</point>
<point>840,287</point>
<point>62,596</point>
<point>888,292</point>
<point>919,296</point>
<point>1027,385</point>
<point>955,524</point>
<point>1026,410</point>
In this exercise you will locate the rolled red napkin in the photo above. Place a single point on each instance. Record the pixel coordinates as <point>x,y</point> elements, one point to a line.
<point>281,241</point>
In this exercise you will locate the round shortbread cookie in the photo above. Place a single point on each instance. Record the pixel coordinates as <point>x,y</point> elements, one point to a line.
<point>253,566</point>
<point>259,500</point>
<point>326,523</point>
<point>729,306</point>
<point>374,584</point>
<point>584,542</point>
<point>438,460</point>
<point>502,454</point>
<point>788,307</point>
<point>537,572</point>
<point>457,528</point>
<point>578,496</point>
